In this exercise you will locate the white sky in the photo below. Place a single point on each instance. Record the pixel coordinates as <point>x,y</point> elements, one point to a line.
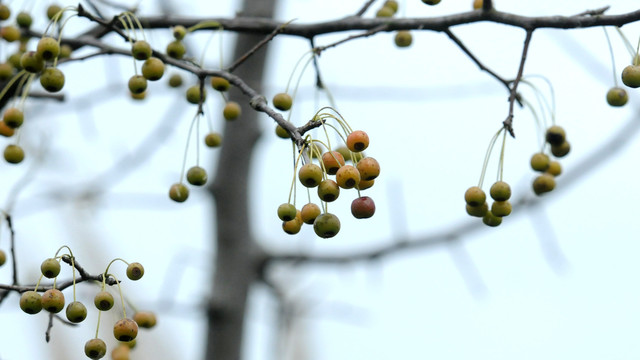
<point>501,293</point>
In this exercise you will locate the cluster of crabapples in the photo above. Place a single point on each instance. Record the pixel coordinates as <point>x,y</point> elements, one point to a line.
<point>53,301</point>
<point>359,176</point>
<point>617,96</point>
<point>24,65</point>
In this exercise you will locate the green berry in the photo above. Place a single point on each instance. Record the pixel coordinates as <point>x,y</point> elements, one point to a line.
<point>13,117</point>
<point>103,301</point>
<point>31,62</point>
<point>478,210</point>
<point>95,349</point>
<point>145,319</point>
<point>363,207</point>
<point>48,48</point>
<point>543,184</point>
<point>293,226</point>
<point>135,271</point>
<point>403,38</point>
<point>31,302</point>
<point>137,84</point>
<point>24,20</point>
<point>555,169</point>
<point>153,69</point>
<point>193,94</point>
<point>500,191</point>
<point>13,154</point>
<point>141,50</point>
<point>501,208</point>
<point>475,196</point>
<point>178,192</point>
<point>385,12</point>
<point>282,132</point>
<point>392,4</point>
<point>326,225</point>
<point>282,101</point>
<point>6,71</point>
<point>5,12</point>
<point>176,49</point>
<point>175,80</point>
<point>197,176</point>
<point>52,10</point>
<point>431,2</point>
<point>555,135</point>
<point>617,96</point>
<point>631,76</point>
<point>310,175</point>
<point>76,312</point>
<point>561,150</point>
<point>10,33</point>
<point>347,177</point>
<point>3,257</point>
<point>179,32</point>
<point>213,140</point>
<point>328,190</point>
<point>52,79</point>
<point>491,220</point>
<point>231,110</point>
<point>220,83</point>
<point>287,212</point>
<point>65,51</point>
<point>309,213</point>
<point>540,162</point>
<point>125,330</point>
<point>53,301</point>
<point>50,268</point>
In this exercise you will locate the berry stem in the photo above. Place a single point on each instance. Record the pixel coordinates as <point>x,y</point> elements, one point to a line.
<point>124,311</point>
<point>186,148</point>
<point>613,60</point>
<point>501,163</point>
<point>98,325</point>
<point>627,44</point>
<point>487,156</point>
<point>11,82</point>
<point>55,61</point>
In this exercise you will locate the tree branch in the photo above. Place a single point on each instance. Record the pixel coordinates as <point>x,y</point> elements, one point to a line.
<point>508,123</point>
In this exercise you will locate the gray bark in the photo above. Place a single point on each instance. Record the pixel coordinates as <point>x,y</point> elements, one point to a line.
<point>235,256</point>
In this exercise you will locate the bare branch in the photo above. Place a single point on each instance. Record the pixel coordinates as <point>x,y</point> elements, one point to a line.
<point>508,123</point>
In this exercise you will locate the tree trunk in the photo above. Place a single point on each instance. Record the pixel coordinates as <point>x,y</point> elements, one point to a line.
<point>234,262</point>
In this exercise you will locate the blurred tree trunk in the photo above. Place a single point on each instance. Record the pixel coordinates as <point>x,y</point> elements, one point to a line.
<point>234,265</point>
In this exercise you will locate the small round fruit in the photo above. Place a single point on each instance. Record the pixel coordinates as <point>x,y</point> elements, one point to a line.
<point>13,117</point>
<point>328,190</point>
<point>13,154</point>
<point>393,4</point>
<point>500,191</point>
<point>561,150</point>
<point>403,38</point>
<point>179,32</point>
<point>5,12</point>
<point>475,196</point>
<point>540,162</point>
<point>50,268</point>
<point>48,48</point>
<point>310,175</point>
<point>24,20</point>
<point>65,51</point>
<point>617,96</point>
<point>76,312</point>
<point>363,207</point>
<point>145,319</point>
<point>385,12</point>
<point>153,69</point>
<point>175,80</point>
<point>282,133</point>
<point>365,184</point>
<point>103,301</point>
<point>125,330</point>
<point>555,169</point>
<point>6,71</point>
<point>3,257</point>
<point>326,225</point>
<point>631,76</point>
<point>121,352</point>
<point>431,2</point>
<point>31,62</point>
<point>543,184</point>
<point>347,177</point>
<point>52,79</point>
<point>197,176</point>
<point>10,33</point>
<point>287,212</point>
<point>231,110</point>
<point>141,96</point>
<point>213,140</point>
<point>501,208</point>
<point>369,168</point>
<point>332,161</point>
<point>309,213</point>
<point>220,83</point>
<point>137,84</point>
<point>282,101</point>
<point>193,94</point>
<point>5,130</point>
<point>292,227</point>
<point>178,192</point>
<point>477,211</point>
<point>555,135</point>
<point>95,349</point>
<point>491,220</point>
<point>135,271</point>
<point>176,49</point>
<point>53,300</point>
<point>52,10</point>
<point>141,50</point>
<point>31,302</point>
<point>477,4</point>
<point>357,141</point>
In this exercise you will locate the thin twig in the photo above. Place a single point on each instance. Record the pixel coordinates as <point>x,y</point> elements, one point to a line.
<point>508,123</point>
<point>367,33</point>
<point>13,249</point>
<point>364,8</point>
<point>316,66</point>
<point>258,46</point>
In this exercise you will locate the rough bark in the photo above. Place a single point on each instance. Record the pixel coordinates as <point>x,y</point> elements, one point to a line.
<point>234,259</point>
